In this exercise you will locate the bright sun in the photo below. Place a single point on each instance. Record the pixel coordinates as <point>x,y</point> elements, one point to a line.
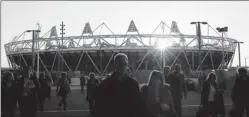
<point>162,44</point>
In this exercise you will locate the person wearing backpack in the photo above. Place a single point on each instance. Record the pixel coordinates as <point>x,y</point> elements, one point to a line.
<point>157,97</point>
<point>63,90</point>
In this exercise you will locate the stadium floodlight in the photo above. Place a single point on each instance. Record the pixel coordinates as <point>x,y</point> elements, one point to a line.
<point>198,22</point>
<point>204,23</point>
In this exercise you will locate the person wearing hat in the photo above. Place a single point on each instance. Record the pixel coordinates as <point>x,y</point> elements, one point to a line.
<point>27,88</point>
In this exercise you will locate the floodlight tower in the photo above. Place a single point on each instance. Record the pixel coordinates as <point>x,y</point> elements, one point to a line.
<point>222,31</point>
<point>198,33</point>
<point>33,45</point>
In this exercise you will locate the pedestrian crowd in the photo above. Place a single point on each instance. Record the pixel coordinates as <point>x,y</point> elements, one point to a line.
<point>119,94</point>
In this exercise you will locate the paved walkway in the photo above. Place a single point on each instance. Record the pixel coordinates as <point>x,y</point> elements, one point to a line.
<point>78,106</point>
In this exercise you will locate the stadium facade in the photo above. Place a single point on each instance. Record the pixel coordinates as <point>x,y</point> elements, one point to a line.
<point>93,51</point>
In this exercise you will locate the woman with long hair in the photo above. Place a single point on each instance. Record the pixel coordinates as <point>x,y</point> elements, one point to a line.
<point>157,96</point>
<point>211,98</point>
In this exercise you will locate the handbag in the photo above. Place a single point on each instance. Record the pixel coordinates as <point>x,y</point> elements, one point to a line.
<point>202,112</point>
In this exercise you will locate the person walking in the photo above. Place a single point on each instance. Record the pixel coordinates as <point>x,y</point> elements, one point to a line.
<point>240,94</point>
<point>27,89</point>
<point>8,93</point>
<point>211,98</point>
<point>157,96</point>
<point>166,73</point>
<point>63,90</point>
<point>119,94</point>
<point>92,85</point>
<point>44,91</point>
<point>82,83</point>
<point>177,88</point>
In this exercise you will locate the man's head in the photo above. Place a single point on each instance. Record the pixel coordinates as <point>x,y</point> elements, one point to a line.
<point>178,68</point>
<point>166,71</point>
<point>121,63</point>
<point>64,75</point>
<point>91,75</point>
<point>242,72</point>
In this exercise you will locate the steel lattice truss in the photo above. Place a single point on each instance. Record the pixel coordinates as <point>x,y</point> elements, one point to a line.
<point>93,41</point>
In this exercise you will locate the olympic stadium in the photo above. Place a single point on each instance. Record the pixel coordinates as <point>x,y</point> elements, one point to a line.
<point>93,51</point>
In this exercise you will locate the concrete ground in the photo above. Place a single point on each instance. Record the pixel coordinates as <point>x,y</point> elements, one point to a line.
<point>78,106</point>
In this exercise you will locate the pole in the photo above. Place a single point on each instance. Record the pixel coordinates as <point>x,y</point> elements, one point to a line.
<point>222,50</point>
<point>199,44</point>
<point>62,36</point>
<point>38,60</point>
<point>239,53</point>
<point>33,54</point>
<point>164,57</point>
<point>245,62</point>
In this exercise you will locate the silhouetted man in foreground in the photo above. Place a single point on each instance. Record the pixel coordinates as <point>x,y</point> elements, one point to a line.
<point>118,95</point>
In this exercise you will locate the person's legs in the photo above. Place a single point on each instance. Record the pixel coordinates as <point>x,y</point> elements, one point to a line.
<point>12,108</point>
<point>247,110</point>
<point>49,93</point>
<point>41,103</point>
<point>91,107</point>
<point>178,105</point>
<point>239,110</point>
<point>26,107</point>
<point>22,106</point>
<point>60,103</point>
<point>213,110</point>
<point>64,101</point>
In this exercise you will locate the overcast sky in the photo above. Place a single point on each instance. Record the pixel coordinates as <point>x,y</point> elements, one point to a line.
<point>18,16</point>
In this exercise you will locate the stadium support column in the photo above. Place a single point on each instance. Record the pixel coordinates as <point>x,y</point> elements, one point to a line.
<point>239,42</point>
<point>101,62</point>
<point>198,31</point>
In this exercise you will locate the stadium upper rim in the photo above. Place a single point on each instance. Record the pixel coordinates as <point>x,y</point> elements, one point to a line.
<point>132,40</point>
